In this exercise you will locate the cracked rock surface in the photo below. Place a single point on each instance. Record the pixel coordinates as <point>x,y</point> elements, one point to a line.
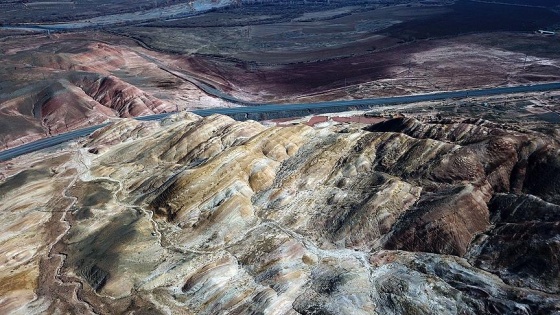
<point>209,215</point>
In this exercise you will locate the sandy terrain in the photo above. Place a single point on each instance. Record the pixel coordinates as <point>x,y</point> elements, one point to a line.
<point>437,65</point>
<point>274,54</point>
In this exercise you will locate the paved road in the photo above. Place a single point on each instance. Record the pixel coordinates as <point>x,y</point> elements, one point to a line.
<point>47,142</point>
<point>287,110</point>
<point>337,105</point>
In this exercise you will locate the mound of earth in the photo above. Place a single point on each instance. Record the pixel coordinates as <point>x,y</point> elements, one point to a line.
<point>59,83</point>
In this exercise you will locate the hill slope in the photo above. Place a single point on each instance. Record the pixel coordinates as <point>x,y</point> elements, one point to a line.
<point>208,215</point>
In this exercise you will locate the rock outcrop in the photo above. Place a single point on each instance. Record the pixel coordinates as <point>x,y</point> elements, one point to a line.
<point>209,215</point>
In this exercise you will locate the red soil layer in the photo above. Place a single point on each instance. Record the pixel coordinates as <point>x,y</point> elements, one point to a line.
<point>465,62</point>
<point>316,120</point>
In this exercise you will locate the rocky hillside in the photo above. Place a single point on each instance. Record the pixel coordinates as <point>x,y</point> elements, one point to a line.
<point>54,85</point>
<point>212,216</point>
<point>79,101</point>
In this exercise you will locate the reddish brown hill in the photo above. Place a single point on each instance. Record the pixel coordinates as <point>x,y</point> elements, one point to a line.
<point>81,100</point>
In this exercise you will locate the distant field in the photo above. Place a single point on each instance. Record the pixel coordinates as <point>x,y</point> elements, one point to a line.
<point>472,17</point>
<point>542,3</point>
<point>12,12</point>
<point>271,35</point>
<point>276,49</point>
<point>280,34</point>
<point>266,51</point>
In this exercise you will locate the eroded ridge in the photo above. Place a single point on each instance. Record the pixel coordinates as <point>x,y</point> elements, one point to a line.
<point>209,215</point>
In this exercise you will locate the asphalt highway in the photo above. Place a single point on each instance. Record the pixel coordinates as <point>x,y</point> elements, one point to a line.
<point>286,109</point>
<point>47,142</point>
<point>270,108</point>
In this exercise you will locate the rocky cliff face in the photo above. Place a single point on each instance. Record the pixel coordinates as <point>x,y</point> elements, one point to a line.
<point>208,216</point>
